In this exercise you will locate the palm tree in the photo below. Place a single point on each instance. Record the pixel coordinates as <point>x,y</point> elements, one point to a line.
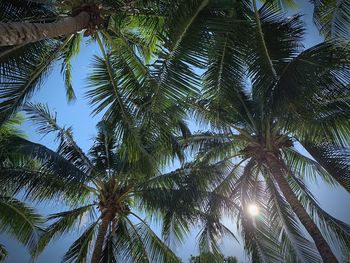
<point>208,258</point>
<point>53,19</point>
<point>282,113</point>
<point>106,192</point>
<point>173,36</point>
<point>25,66</point>
<point>16,218</point>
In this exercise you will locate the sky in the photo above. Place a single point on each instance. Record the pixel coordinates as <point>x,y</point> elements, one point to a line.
<point>334,200</point>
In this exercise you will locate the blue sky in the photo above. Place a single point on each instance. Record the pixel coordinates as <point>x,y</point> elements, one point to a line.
<point>335,200</point>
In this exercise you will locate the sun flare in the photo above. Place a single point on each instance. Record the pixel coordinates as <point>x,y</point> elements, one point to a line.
<point>253,210</point>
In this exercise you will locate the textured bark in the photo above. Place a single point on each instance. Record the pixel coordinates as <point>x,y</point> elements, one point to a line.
<point>324,249</point>
<point>102,230</point>
<point>14,33</point>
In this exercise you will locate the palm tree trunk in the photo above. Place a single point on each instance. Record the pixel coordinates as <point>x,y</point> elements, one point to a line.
<point>325,251</point>
<point>14,33</point>
<point>102,230</point>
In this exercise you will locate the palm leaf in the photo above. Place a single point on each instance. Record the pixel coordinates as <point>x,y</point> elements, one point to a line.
<point>79,251</point>
<point>293,241</point>
<point>334,229</point>
<point>19,220</point>
<point>332,18</point>
<point>66,222</point>
<point>39,171</point>
<point>47,123</point>
<point>334,159</point>
<point>3,252</point>
<point>70,50</point>
<point>24,73</point>
<point>321,69</point>
<point>154,248</point>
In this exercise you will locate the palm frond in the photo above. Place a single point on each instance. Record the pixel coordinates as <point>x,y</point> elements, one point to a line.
<point>156,249</point>
<point>306,167</point>
<point>65,222</point>
<point>108,96</point>
<point>292,238</point>
<point>17,10</point>
<point>332,18</point>
<point>25,72</point>
<point>70,50</point>
<point>318,75</point>
<point>212,146</point>
<point>3,252</point>
<point>79,251</point>
<point>260,239</point>
<point>40,172</point>
<point>173,78</point>
<point>104,152</point>
<point>334,159</point>
<point>212,231</point>
<point>278,40</point>
<point>20,220</point>
<point>10,128</point>
<point>47,123</point>
<point>224,77</point>
<point>335,230</point>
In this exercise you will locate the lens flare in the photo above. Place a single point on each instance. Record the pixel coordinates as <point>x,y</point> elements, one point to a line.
<point>253,210</point>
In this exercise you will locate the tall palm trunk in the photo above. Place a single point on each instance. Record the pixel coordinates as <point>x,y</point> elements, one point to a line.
<point>325,251</point>
<point>102,230</point>
<point>14,33</point>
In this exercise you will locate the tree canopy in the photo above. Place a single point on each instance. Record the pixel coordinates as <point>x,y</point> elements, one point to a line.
<point>278,114</point>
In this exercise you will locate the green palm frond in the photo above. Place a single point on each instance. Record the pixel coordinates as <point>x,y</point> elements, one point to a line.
<point>334,159</point>
<point>65,222</point>
<point>212,146</point>
<point>211,232</point>
<point>81,248</point>
<point>278,40</point>
<point>260,239</point>
<point>47,123</point>
<point>173,198</point>
<point>175,228</point>
<point>127,243</point>
<point>39,171</point>
<point>15,10</point>
<point>3,252</point>
<point>24,73</point>
<point>319,71</point>
<point>108,96</point>
<point>17,147</point>
<point>10,128</point>
<point>224,76</point>
<point>332,18</point>
<point>70,50</point>
<point>334,229</point>
<point>173,78</point>
<point>149,30</point>
<point>306,167</point>
<point>42,186</point>
<point>104,152</point>
<point>155,249</point>
<point>293,241</point>
<point>20,221</point>
<point>130,47</point>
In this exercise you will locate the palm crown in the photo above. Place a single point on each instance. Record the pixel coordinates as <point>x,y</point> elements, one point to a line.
<point>105,190</point>
<point>280,113</point>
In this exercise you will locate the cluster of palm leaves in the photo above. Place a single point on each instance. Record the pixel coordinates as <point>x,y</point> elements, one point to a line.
<point>278,114</point>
